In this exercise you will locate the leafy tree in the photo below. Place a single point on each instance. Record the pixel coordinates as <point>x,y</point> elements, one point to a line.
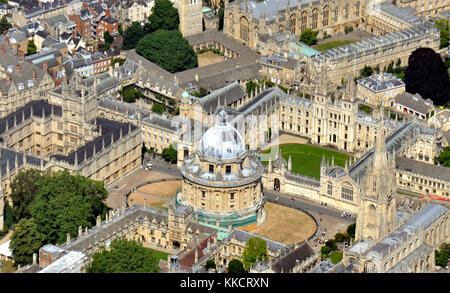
<point>108,38</point>
<point>210,264</point>
<point>445,247</point>
<point>132,36</point>
<point>426,74</point>
<point>325,250</point>
<point>4,1</point>
<point>64,202</point>
<point>4,24</point>
<point>366,71</point>
<point>351,230</point>
<point>444,157</point>
<point>25,241</point>
<point>443,26</point>
<point>255,249</point>
<point>170,154</point>
<point>120,29</point>
<point>309,37</point>
<point>331,244</point>
<point>158,108</point>
<point>23,190</point>
<point>164,16</point>
<point>31,48</point>
<point>8,217</point>
<point>169,50</point>
<point>236,267</point>
<point>251,87</point>
<point>441,258</point>
<point>125,256</point>
<point>221,14</point>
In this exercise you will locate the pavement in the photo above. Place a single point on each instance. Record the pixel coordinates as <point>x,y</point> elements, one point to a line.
<point>328,219</point>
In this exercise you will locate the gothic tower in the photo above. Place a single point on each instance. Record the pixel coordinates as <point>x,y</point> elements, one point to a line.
<point>191,16</point>
<point>376,210</point>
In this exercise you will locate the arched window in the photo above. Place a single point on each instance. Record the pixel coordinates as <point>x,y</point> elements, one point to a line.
<point>292,23</point>
<point>330,189</point>
<point>357,7</point>
<point>346,10</point>
<point>314,19</point>
<point>326,15</point>
<point>243,29</point>
<point>347,192</point>
<point>304,21</point>
<point>371,215</point>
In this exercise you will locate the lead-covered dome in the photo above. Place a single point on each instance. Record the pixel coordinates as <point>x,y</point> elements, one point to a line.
<point>222,141</point>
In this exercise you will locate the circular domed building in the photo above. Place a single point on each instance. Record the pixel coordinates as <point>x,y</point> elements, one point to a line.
<point>221,179</point>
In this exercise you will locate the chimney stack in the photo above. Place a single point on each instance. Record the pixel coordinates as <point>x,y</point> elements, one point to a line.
<point>21,56</point>
<point>17,69</point>
<point>3,50</point>
<point>8,77</point>
<point>45,66</point>
<point>34,74</point>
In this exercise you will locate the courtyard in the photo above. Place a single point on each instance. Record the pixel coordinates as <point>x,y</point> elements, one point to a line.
<point>209,58</point>
<point>285,225</point>
<point>306,158</point>
<point>156,195</point>
<point>341,40</point>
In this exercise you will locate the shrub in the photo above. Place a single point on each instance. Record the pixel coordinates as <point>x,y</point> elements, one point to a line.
<point>325,250</point>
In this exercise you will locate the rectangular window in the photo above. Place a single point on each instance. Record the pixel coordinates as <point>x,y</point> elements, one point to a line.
<point>211,168</point>
<point>347,193</point>
<point>228,169</point>
<point>232,196</point>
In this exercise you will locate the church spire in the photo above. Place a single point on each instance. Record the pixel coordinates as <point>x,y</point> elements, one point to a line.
<point>380,160</point>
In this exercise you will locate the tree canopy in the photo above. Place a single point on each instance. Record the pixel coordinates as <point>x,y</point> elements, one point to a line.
<point>31,48</point>
<point>443,26</point>
<point>169,50</point>
<point>4,24</point>
<point>236,267</point>
<point>132,36</point>
<point>170,154</point>
<point>444,157</point>
<point>255,249</point>
<point>25,241</point>
<point>23,190</point>
<point>221,13</point>
<point>427,75</point>
<point>64,202</point>
<point>351,230</point>
<point>442,255</point>
<point>125,256</point>
<point>309,37</point>
<point>164,16</point>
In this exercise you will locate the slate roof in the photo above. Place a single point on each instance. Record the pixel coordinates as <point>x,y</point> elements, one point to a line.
<point>414,102</point>
<point>424,169</point>
<point>230,93</point>
<point>244,236</point>
<point>381,82</point>
<point>289,261</point>
<point>421,220</point>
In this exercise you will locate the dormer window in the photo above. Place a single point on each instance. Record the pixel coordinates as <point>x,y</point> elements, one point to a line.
<point>30,83</point>
<point>20,86</point>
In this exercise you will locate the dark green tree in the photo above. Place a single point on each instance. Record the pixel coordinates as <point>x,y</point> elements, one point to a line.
<point>170,154</point>
<point>443,26</point>
<point>108,38</point>
<point>210,264</point>
<point>309,37</point>
<point>351,230</point>
<point>31,48</point>
<point>64,202</point>
<point>331,243</point>
<point>325,250</point>
<point>4,24</point>
<point>236,267</point>
<point>251,87</point>
<point>255,249</point>
<point>426,74</point>
<point>132,35</point>
<point>158,108</point>
<point>25,241</point>
<point>164,16</point>
<point>221,13</point>
<point>444,157</point>
<point>169,50</point>
<point>125,256</point>
<point>441,258</point>
<point>366,71</point>
<point>23,190</point>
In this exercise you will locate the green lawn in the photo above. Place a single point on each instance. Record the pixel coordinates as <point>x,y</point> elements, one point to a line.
<point>333,44</point>
<point>159,254</point>
<point>306,158</point>
<point>335,256</point>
